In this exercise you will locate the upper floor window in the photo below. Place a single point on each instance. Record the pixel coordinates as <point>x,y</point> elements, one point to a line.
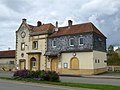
<point>71,41</point>
<point>22,46</point>
<point>35,44</point>
<point>54,43</point>
<point>81,40</point>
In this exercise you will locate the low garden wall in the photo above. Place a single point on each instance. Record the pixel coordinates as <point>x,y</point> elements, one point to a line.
<point>7,67</point>
<point>113,68</point>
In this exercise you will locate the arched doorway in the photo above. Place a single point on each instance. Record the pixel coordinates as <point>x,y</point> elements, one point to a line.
<point>33,63</point>
<point>74,63</point>
<point>54,64</point>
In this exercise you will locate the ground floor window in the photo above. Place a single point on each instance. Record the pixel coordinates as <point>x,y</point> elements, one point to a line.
<point>33,62</point>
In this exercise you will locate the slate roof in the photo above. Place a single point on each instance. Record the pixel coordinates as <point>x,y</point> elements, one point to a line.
<point>7,54</point>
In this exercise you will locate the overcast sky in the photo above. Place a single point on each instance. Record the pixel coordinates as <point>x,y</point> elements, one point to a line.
<point>105,14</point>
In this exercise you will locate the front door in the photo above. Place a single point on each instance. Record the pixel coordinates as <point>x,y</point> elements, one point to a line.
<point>54,64</point>
<point>22,65</point>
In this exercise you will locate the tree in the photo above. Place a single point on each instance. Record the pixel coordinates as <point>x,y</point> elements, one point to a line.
<point>112,57</point>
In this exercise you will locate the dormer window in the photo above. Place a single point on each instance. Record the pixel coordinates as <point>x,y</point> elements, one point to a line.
<point>81,40</point>
<point>35,44</point>
<point>54,43</point>
<point>71,41</point>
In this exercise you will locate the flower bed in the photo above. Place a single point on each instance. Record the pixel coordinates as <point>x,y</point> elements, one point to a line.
<point>36,75</point>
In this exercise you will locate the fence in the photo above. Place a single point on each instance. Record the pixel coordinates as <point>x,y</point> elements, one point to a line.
<point>113,68</point>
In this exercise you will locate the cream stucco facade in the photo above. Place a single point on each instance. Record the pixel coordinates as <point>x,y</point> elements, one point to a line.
<point>87,63</point>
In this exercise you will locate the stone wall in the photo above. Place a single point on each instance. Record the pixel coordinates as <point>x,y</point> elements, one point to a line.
<point>62,43</point>
<point>7,67</point>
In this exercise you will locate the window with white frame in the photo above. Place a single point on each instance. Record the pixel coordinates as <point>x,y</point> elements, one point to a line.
<point>35,44</point>
<point>71,41</point>
<point>54,43</point>
<point>81,41</point>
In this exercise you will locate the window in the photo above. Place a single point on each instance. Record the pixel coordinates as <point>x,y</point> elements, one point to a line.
<point>35,44</point>
<point>11,62</point>
<point>81,41</point>
<point>71,41</point>
<point>98,61</point>
<point>22,46</point>
<point>95,60</point>
<point>53,43</point>
<point>65,65</point>
<point>33,62</point>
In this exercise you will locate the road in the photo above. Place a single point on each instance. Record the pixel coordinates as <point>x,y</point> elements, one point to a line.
<point>81,79</point>
<point>91,80</point>
<point>14,85</point>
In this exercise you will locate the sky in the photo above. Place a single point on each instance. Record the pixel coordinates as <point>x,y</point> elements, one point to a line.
<point>104,14</point>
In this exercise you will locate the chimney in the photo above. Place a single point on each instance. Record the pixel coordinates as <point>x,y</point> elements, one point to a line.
<point>24,20</point>
<point>39,23</point>
<point>69,22</point>
<point>56,24</point>
<point>56,28</point>
<point>9,48</point>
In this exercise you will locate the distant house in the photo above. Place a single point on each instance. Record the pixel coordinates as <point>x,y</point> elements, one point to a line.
<point>7,60</point>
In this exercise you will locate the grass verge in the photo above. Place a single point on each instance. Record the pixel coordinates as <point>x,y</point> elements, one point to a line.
<point>78,85</point>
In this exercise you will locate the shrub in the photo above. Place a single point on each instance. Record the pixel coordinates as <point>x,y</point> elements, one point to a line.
<point>36,75</point>
<point>21,73</point>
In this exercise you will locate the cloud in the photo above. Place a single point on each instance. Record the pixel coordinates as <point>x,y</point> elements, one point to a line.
<point>103,13</point>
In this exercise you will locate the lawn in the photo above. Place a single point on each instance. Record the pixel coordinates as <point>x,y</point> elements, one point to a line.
<point>78,85</point>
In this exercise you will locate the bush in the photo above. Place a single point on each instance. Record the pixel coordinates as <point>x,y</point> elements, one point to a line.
<point>36,75</point>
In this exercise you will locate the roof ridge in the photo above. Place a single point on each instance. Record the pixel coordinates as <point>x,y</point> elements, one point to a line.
<point>75,25</point>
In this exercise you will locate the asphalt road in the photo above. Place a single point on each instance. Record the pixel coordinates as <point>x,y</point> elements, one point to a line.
<point>81,79</point>
<point>91,80</point>
<point>14,85</point>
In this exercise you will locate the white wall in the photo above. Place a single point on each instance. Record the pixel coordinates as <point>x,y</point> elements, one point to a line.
<point>102,57</point>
